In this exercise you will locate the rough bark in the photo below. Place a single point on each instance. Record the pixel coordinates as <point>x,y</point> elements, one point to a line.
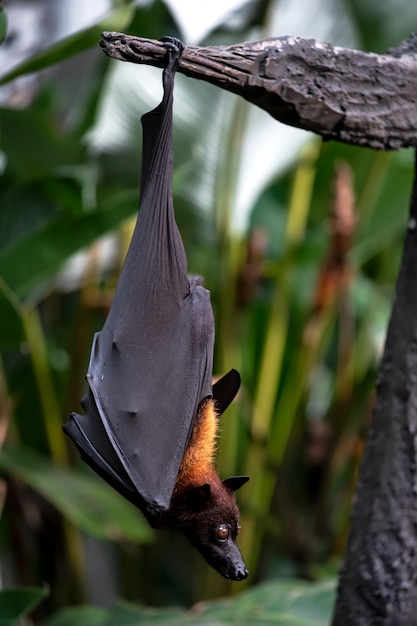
<point>378,580</point>
<point>347,95</point>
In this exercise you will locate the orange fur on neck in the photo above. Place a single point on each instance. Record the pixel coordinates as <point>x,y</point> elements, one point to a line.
<point>198,462</point>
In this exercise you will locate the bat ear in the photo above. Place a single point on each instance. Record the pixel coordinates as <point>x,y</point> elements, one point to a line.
<point>199,496</point>
<point>225,389</point>
<point>235,482</point>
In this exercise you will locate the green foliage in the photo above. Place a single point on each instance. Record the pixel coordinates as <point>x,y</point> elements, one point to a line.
<point>3,24</point>
<point>86,501</point>
<point>11,329</point>
<point>307,339</point>
<point>118,20</point>
<point>288,603</point>
<point>40,249</point>
<point>16,603</point>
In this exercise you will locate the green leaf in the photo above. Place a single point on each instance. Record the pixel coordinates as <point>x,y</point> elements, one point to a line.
<point>15,603</point>
<point>3,24</point>
<point>79,616</point>
<point>286,603</point>
<point>40,252</point>
<point>119,19</point>
<point>128,614</point>
<point>33,146</point>
<point>87,501</point>
<point>383,24</point>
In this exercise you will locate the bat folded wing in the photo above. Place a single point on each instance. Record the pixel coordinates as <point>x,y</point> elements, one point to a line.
<point>95,449</point>
<point>144,393</point>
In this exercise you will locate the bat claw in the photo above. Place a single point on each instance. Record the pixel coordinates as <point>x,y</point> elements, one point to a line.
<point>173,43</point>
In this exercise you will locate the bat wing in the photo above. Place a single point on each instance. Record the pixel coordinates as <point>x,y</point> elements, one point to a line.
<point>151,364</point>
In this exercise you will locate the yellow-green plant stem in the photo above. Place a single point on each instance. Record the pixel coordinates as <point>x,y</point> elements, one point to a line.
<point>228,353</point>
<point>53,427</point>
<point>230,243</point>
<point>259,494</point>
<point>274,344</point>
<point>368,196</point>
<point>38,353</point>
<point>292,394</point>
<point>50,407</point>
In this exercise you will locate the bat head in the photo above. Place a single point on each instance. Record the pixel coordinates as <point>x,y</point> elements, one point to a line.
<point>209,517</point>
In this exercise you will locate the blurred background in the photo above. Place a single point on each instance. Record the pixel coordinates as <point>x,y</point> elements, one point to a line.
<point>298,240</point>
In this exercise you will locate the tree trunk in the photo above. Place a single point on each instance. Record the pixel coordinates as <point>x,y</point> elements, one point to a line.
<point>378,581</point>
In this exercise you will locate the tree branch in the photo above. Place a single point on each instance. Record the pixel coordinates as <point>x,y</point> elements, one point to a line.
<point>347,95</point>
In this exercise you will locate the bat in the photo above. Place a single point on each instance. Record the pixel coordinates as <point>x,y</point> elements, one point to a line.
<point>151,412</point>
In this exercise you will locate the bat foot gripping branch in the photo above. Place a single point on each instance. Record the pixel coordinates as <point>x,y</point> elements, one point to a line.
<point>173,45</point>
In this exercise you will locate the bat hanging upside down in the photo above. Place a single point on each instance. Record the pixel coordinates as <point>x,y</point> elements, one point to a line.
<point>151,411</point>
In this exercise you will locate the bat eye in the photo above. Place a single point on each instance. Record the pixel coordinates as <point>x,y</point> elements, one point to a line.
<point>222,531</point>
<point>239,528</point>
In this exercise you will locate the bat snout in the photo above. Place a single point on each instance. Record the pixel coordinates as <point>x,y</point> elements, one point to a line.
<point>226,560</point>
<point>235,567</point>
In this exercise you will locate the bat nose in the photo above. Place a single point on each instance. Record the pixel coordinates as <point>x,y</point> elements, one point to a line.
<point>244,574</point>
<point>241,573</point>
